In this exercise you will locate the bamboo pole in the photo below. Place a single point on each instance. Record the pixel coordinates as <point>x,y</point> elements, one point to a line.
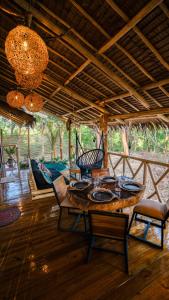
<point>136,29</point>
<point>69,145</point>
<point>85,52</point>
<point>29,153</point>
<point>124,136</point>
<point>132,23</point>
<point>162,110</point>
<point>104,127</point>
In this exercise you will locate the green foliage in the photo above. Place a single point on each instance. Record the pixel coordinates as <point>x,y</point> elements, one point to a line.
<point>23,165</point>
<point>52,129</point>
<point>10,150</point>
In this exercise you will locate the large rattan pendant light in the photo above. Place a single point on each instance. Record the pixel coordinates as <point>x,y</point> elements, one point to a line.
<point>33,102</point>
<point>26,51</point>
<point>15,99</point>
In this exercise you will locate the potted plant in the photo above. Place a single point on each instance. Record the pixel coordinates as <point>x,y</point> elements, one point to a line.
<point>10,151</point>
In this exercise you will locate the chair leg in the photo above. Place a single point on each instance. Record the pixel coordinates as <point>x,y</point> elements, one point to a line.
<point>59,220</point>
<point>89,252</point>
<point>162,234</point>
<point>126,255</point>
<point>132,218</point>
<point>85,221</point>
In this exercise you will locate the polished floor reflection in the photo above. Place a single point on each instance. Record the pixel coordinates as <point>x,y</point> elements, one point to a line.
<point>38,262</point>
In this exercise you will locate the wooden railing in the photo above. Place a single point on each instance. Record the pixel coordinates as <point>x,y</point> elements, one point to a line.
<point>153,174</point>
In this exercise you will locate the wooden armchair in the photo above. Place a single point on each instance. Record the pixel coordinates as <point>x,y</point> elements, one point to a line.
<point>107,225</point>
<point>62,197</point>
<point>100,172</point>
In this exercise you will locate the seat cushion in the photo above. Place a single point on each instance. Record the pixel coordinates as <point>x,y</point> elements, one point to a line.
<point>151,208</point>
<point>40,181</point>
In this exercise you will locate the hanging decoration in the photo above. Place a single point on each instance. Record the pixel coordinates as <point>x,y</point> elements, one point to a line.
<point>26,51</point>
<point>15,99</point>
<point>29,81</point>
<point>33,102</point>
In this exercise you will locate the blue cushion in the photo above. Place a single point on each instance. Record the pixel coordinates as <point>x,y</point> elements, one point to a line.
<point>47,177</point>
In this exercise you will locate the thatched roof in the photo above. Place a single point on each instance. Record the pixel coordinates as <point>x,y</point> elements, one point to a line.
<point>105,57</point>
<point>18,116</point>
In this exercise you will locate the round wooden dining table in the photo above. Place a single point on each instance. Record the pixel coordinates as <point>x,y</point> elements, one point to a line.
<point>81,199</point>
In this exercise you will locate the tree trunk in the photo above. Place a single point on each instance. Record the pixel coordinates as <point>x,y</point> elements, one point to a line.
<point>43,145</point>
<point>125,141</point>
<point>19,140</point>
<point>98,136</point>
<point>69,145</point>
<point>104,127</point>
<point>61,134</point>
<point>54,152</point>
<point>29,152</point>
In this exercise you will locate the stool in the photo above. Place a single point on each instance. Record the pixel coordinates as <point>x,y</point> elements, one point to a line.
<point>151,209</point>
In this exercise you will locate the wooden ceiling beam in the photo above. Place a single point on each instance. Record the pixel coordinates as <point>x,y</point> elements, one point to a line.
<point>132,23</point>
<point>75,95</point>
<point>153,99</point>
<point>73,42</point>
<point>164,118</point>
<point>162,110</point>
<point>135,62</point>
<point>78,71</point>
<point>89,18</point>
<point>145,88</point>
<point>94,23</point>
<point>129,104</point>
<point>154,85</point>
<point>164,91</point>
<point>85,42</point>
<point>136,29</point>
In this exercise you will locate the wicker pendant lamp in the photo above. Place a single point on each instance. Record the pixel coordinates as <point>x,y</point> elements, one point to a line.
<point>34,102</point>
<point>26,51</point>
<point>29,81</point>
<point>15,99</point>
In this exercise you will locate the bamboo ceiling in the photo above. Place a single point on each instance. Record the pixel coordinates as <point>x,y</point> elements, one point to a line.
<point>105,57</point>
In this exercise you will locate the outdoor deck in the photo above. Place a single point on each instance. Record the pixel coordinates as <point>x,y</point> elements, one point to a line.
<point>38,262</point>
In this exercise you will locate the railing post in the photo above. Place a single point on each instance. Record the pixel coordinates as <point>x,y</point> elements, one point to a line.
<point>145,173</point>
<point>124,166</point>
<point>104,127</point>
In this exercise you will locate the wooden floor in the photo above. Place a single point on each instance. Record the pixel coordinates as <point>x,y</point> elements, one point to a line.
<point>39,262</point>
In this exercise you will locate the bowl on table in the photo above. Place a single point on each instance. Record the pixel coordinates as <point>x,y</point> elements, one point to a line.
<point>101,195</point>
<point>80,185</point>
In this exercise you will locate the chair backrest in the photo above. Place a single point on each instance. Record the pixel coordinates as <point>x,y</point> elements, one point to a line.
<point>100,172</point>
<point>60,189</point>
<point>91,159</point>
<point>107,224</point>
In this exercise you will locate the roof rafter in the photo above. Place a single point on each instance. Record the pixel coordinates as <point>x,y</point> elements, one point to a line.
<point>94,23</point>
<point>163,110</point>
<point>118,10</point>
<point>131,23</point>
<point>69,39</point>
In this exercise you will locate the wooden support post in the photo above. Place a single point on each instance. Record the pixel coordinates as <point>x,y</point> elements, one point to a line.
<point>70,148</point>
<point>29,153</point>
<point>98,135</point>
<point>104,127</point>
<point>125,141</point>
<point>61,134</point>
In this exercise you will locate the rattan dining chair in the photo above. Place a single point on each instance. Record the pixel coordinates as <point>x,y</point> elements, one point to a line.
<point>62,197</point>
<point>108,225</point>
<point>150,210</point>
<point>100,172</point>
